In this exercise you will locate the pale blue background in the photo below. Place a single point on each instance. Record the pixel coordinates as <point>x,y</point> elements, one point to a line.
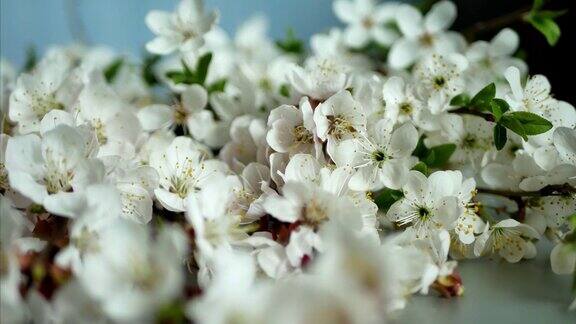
<point>120,23</point>
<point>497,292</point>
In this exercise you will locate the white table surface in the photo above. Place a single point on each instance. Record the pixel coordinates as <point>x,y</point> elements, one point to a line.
<point>498,292</point>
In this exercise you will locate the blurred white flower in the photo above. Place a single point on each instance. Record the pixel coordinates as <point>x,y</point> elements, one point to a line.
<point>181,30</point>
<point>424,35</point>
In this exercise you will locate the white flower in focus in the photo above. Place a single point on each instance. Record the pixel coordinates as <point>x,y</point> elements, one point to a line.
<point>136,184</point>
<point>509,239</point>
<point>565,144</point>
<point>534,97</point>
<point>250,197</point>
<point>382,160</point>
<point>291,129</point>
<point>182,30</point>
<point>551,212</point>
<point>311,206</point>
<point>339,118</point>
<point>366,21</point>
<point>424,35</point>
<point>436,248</point>
<point>113,120</point>
<point>37,93</point>
<point>489,60</point>
<point>428,204</point>
<point>439,78</point>
<point>474,142</point>
<point>52,170</point>
<point>150,143</point>
<point>183,168</point>
<point>402,105</point>
<point>509,176</point>
<point>247,144</point>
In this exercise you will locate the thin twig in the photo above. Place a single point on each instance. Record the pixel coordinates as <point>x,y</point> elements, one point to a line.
<point>468,111</point>
<point>551,190</point>
<point>496,23</point>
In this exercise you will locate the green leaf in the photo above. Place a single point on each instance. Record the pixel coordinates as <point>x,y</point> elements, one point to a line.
<point>217,86</point>
<point>202,68</point>
<point>171,313</point>
<point>385,198</point>
<point>421,167</point>
<point>484,97</point>
<point>498,107</point>
<point>514,125</point>
<point>552,13</point>
<point>461,100</point>
<point>285,91</point>
<point>532,123</point>
<point>187,76</point>
<point>186,69</point>
<point>178,77</point>
<point>421,150</point>
<point>499,136</point>
<point>546,26</point>
<point>572,220</point>
<point>291,44</point>
<point>31,59</point>
<point>537,4</point>
<point>439,155</point>
<point>111,71</point>
<point>148,65</point>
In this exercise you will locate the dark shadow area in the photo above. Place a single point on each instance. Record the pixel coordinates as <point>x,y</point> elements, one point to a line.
<point>557,63</point>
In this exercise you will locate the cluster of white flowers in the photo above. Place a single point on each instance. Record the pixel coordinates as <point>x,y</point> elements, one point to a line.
<point>236,180</point>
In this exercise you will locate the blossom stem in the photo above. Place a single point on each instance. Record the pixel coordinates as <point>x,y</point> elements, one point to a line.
<point>551,190</point>
<point>469,111</point>
<point>496,23</point>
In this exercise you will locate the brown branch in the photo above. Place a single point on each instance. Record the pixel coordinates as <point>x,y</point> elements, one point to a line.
<point>551,190</point>
<point>496,23</point>
<point>468,111</point>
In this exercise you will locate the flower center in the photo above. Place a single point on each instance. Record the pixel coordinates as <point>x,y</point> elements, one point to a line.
<point>314,213</point>
<point>57,177</point>
<point>180,115</point>
<point>340,126</point>
<point>146,275</point>
<point>378,156</point>
<point>426,40</point>
<point>424,214</point>
<point>100,132</point>
<point>469,141</point>
<point>179,186</point>
<point>368,22</point>
<point>439,82</point>
<point>43,104</point>
<point>3,177</point>
<point>265,84</point>
<point>406,108</point>
<point>302,135</point>
<point>86,241</point>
